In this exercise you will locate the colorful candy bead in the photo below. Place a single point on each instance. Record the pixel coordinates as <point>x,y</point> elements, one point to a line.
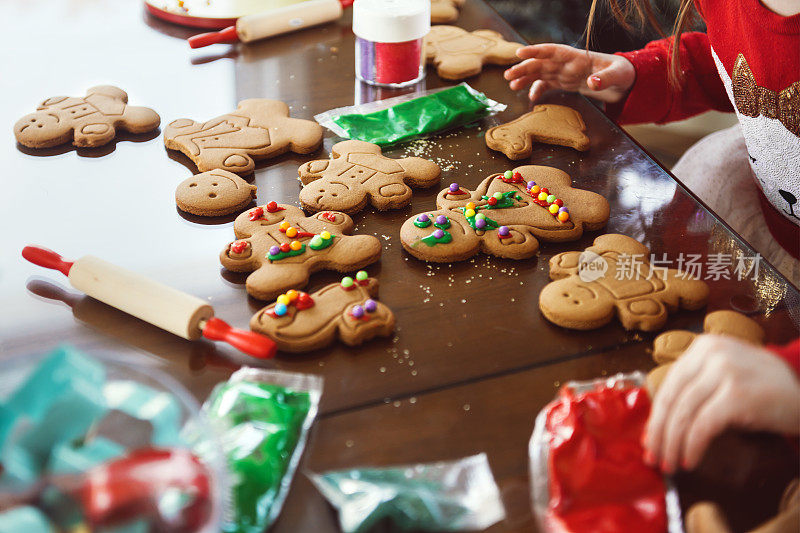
<point>347,282</point>
<point>281,309</point>
<point>285,247</point>
<point>551,198</point>
<point>423,218</point>
<point>492,201</point>
<point>438,234</point>
<point>291,232</point>
<point>292,295</point>
<point>498,195</point>
<point>480,223</point>
<point>563,216</point>
<point>502,231</point>
<point>274,250</point>
<point>544,190</point>
<point>553,209</point>
<point>362,275</point>
<point>469,213</point>
<point>283,299</point>
<point>325,235</point>
<point>316,241</point>
<point>559,202</point>
<point>508,175</point>
<point>272,207</point>
<point>284,226</point>
<point>563,210</point>
<point>535,190</point>
<point>454,187</point>
<point>357,311</point>
<point>370,306</point>
<point>517,176</point>
<point>296,245</point>
<point>531,184</point>
<point>479,216</point>
<point>441,219</point>
<point>542,196</point>
<point>470,205</point>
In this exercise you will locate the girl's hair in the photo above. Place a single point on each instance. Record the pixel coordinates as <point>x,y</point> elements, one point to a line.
<point>640,13</point>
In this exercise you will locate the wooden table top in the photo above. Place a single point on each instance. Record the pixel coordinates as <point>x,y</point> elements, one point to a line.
<point>472,361</point>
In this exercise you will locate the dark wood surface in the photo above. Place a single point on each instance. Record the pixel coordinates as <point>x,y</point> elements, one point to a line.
<point>468,333</point>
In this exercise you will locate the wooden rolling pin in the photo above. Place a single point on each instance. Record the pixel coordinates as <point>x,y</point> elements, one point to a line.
<point>170,309</point>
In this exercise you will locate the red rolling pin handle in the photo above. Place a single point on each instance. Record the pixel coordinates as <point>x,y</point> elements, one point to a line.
<point>228,35</point>
<point>249,342</point>
<point>47,259</point>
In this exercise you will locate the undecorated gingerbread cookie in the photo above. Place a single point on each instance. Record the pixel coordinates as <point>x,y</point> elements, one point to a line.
<point>258,129</point>
<point>88,121</point>
<point>301,322</point>
<point>547,123</point>
<point>214,193</point>
<point>459,54</point>
<point>506,216</point>
<point>444,11</point>
<point>356,173</point>
<point>615,277</point>
<point>282,247</point>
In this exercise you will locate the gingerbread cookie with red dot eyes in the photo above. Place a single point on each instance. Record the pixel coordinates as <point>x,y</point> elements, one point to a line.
<point>549,124</point>
<point>459,54</point>
<point>281,247</point>
<point>614,277</point>
<point>214,193</point>
<point>444,11</point>
<point>301,322</point>
<point>88,121</point>
<point>258,129</point>
<point>357,173</point>
<point>506,216</point>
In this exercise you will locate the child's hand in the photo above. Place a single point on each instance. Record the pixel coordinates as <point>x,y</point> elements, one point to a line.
<point>557,66</point>
<point>719,382</point>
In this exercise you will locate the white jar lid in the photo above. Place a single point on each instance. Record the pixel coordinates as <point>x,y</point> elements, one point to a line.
<point>391,21</point>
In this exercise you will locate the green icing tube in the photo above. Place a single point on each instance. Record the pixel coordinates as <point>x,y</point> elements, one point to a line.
<point>263,417</point>
<point>435,112</point>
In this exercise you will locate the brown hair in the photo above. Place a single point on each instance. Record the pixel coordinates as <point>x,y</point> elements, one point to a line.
<point>640,13</point>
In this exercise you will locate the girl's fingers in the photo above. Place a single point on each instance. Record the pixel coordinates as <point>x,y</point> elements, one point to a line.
<point>538,88</point>
<point>539,51</point>
<point>711,420</point>
<point>691,399</point>
<point>521,83</point>
<point>615,76</point>
<point>529,67</point>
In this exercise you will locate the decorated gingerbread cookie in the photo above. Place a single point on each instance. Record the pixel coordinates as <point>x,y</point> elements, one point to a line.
<point>548,123</point>
<point>615,277</point>
<point>258,129</point>
<point>444,11</point>
<point>282,247</point>
<point>506,216</point>
<point>670,345</point>
<point>91,120</point>
<point>214,193</point>
<point>356,173</point>
<point>301,322</point>
<point>459,54</point>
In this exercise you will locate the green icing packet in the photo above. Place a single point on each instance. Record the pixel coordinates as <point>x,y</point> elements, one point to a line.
<point>404,118</point>
<point>263,418</point>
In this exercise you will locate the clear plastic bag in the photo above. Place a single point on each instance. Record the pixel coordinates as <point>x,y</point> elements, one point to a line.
<point>412,116</point>
<point>539,454</point>
<point>445,496</point>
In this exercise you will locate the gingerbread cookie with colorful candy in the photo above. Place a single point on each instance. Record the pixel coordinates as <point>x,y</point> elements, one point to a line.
<point>444,11</point>
<point>87,121</point>
<point>506,216</point>
<point>670,345</point>
<point>459,54</point>
<point>549,124</point>
<point>301,322</point>
<point>358,173</point>
<point>214,193</point>
<point>258,129</point>
<point>614,277</point>
<point>281,247</point>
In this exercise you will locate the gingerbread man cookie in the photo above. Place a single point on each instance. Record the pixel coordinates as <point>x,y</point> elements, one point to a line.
<point>615,277</point>
<point>670,345</point>
<point>356,173</point>
<point>282,247</point>
<point>300,322</point>
<point>258,129</point>
<point>214,193</point>
<point>92,120</point>
<point>548,123</point>
<point>443,11</point>
<point>459,54</point>
<point>505,216</point>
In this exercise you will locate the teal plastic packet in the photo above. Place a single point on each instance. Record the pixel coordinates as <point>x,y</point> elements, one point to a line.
<point>262,418</point>
<point>408,117</point>
<point>446,496</point>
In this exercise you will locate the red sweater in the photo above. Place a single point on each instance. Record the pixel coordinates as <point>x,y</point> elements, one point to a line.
<point>748,62</point>
<point>790,353</point>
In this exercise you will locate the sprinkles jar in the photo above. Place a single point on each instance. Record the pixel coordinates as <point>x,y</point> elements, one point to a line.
<point>389,36</point>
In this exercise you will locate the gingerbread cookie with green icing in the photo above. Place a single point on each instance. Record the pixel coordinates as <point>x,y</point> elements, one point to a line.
<point>301,322</point>
<point>358,173</point>
<point>614,277</point>
<point>506,216</point>
<point>258,129</point>
<point>281,247</point>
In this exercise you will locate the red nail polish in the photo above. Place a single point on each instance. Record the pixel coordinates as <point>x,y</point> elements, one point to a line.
<point>597,83</point>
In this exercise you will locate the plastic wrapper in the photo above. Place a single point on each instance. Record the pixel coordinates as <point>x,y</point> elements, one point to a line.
<point>540,447</point>
<point>411,116</point>
<point>263,418</point>
<point>446,496</point>
<point>91,442</point>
